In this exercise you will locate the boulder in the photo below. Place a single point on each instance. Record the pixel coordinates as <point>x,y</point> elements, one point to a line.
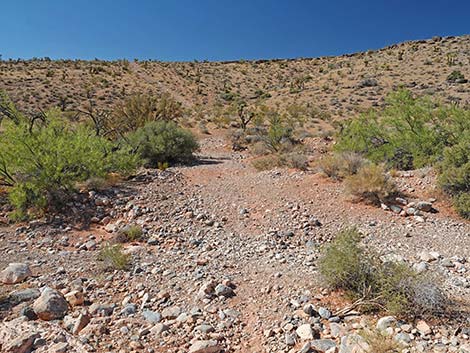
<point>51,305</point>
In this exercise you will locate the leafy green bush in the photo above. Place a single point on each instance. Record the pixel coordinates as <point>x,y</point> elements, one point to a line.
<point>163,141</point>
<point>409,133</point>
<point>41,162</point>
<point>454,175</point>
<point>371,183</point>
<point>395,287</point>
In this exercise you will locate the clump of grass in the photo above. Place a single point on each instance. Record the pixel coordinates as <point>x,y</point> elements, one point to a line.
<point>342,164</point>
<point>114,257</point>
<point>393,287</point>
<point>379,343</point>
<point>129,233</point>
<point>371,184</point>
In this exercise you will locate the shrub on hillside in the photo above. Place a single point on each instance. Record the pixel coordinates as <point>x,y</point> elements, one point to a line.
<point>163,141</point>
<point>137,110</point>
<point>113,257</point>
<point>42,161</point>
<point>371,183</point>
<point>395,287</point>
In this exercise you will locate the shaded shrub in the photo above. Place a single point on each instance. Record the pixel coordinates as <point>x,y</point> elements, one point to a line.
<point>462,204</point>
<point>371,183</point>
<point>113,257</point>
<point>163,141</point>
<point>296,160</point>
<point>342,164</point>
<point>395,287</point>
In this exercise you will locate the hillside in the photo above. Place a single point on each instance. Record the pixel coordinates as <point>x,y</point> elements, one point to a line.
<point>339,85</point>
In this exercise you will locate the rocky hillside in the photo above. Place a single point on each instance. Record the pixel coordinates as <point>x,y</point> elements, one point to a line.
<point>339,85</point>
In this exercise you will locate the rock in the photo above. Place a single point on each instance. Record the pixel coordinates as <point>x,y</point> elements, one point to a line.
<point>61,347</point>
<point>75,298</point>
<point>309,309</point>
<point>29,313</point>
<point>403,338</point>
<point>423,328</point>
<point>385,322</point>
<point>223,290</point>
<point>101,309</point>
<point>23,295</point>
<point>424,206</point>
<point>324,313</point>
<point>205,346</point>
<point>158,329</point>
<point>305,332</point>
<point>172,312</point>
<point>51,305</point>
<point>323,345</point>
<point>204,328</point>
<point>128,310</point>
<point>337,330</point>
<point>82,321</point>
<point>15,273</point>
<point>152,316</point>
<point>353,343</point>
<point>428,256</point>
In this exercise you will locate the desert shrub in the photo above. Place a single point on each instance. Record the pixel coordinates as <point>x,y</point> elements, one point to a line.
<point>278,135</point>
<point>454,175</point>
<point>163,141</point>
<point>409,133</point>
<point>113,257</point>
<point>342,164</point>
<point>371,183</point>
<point>395,287</point>
<point>266,162</point>
<point>345,264</point>
<point>378,342</point>
<point>457,77</point>
<point>129,233</point>
<point>42,162</point>
<point>296,160</point>
<point>137,110</point>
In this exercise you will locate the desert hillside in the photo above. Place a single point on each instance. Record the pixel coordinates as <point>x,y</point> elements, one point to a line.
<point>339,85</point>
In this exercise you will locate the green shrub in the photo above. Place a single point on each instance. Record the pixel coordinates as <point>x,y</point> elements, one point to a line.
<point>454,175</point>
<point>395,287</point>
<point>41,163</point>
<point>371,183</point>
<point>409,133</point>
<point>345,264</point>
<point>129,233</point>
<point>163,141</point>
<point>462,204</point>
<point>456,77</point>
<point>114,257</point>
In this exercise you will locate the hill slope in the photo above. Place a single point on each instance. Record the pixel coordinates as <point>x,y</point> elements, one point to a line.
<point>340,85</point>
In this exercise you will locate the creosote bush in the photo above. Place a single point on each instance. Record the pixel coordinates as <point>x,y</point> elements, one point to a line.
<point>371,184</point>
<point>390,286</point>
<point>163,142</point>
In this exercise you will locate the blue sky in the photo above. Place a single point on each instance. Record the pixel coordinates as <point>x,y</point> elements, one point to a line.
<point>185,30</point>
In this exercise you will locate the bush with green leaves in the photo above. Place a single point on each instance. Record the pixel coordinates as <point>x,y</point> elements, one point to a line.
<point>409,133</point>
<point>395,287</point>
<point>454,175</point>
<point>163,141</point>
<point>42,160</point>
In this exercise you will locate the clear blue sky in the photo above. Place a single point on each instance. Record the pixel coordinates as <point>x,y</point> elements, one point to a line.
<point>219,29</point>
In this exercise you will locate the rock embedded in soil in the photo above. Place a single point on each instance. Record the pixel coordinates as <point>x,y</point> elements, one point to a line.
<point>15,273</point>
<point>51,305</point>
